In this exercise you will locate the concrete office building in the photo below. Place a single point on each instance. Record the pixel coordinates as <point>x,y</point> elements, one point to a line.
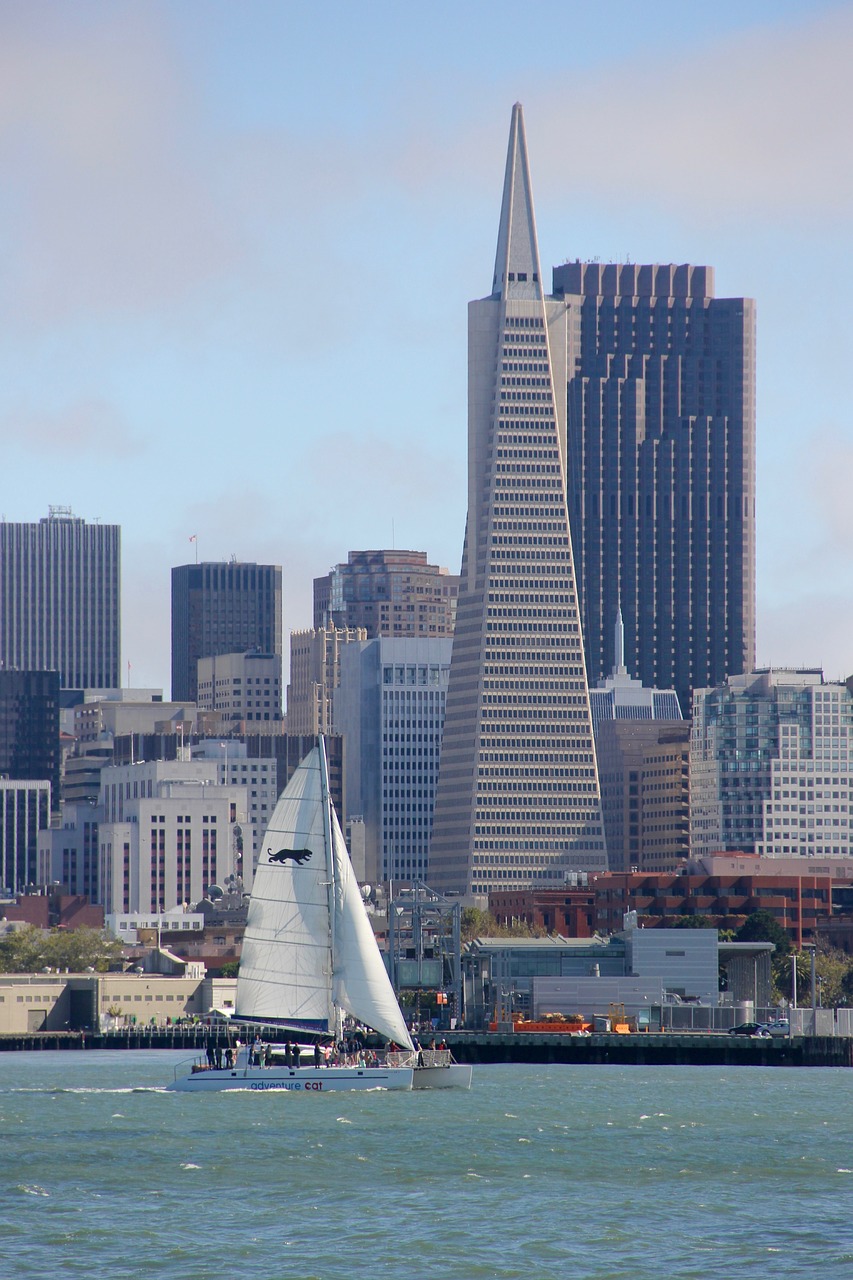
<point>236,767</point>
<point>506,978</point>
<point>389,593</point>
<point>771,766</point>
<point>168,833</point>
<point>390,709</point>
<point>518,799</point>
<point>242,688</point>
<point>60,606</point>
<point>107,714</point>
<point>221,608</point>
<point>315,673</point>
<point>661,490</point>
<point>69,852</point>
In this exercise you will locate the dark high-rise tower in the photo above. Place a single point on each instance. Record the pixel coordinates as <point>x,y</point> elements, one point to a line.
<point>518,798</point>
<point>29,727</point>
<point>661,486</point>
<point>60,607</point>
<point>221,608</point>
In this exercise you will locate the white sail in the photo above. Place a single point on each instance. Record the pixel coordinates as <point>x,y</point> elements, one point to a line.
<point>309,946</point>
<point>285,972</point>
<point>361,984</point>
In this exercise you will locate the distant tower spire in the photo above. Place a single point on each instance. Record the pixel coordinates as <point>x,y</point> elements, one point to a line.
<point>619,668</point>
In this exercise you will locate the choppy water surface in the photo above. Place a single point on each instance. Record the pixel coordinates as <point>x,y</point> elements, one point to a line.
<point>598,1172</point>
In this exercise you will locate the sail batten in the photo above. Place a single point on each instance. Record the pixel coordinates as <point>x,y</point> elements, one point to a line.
<point>309,947</point>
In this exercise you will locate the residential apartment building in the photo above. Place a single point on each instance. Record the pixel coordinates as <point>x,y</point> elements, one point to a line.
<point>771,766</point>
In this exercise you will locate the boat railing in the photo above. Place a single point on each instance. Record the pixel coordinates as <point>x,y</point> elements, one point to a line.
<point>419,1058</point>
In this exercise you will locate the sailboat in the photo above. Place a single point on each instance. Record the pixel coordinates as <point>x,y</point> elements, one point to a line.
<point>310,959</point>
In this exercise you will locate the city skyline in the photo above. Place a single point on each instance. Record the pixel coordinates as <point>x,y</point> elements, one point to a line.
<point>187,189</point>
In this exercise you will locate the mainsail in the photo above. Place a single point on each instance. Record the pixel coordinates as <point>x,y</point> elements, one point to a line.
<point>308,947</point>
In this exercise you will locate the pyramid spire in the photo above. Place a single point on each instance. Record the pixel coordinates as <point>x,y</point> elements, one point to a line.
<point>517,272</point>
<point>518,799</point>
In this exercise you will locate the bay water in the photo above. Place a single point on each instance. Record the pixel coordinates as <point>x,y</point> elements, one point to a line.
<point>558,1171</point>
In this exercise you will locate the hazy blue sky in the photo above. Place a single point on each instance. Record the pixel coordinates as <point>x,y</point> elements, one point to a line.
<point>237,242</point>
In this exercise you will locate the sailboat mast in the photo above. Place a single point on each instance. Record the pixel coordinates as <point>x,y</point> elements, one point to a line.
<point>335,1021</point>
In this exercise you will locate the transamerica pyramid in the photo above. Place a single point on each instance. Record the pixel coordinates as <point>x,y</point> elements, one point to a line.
<point>518,801</point>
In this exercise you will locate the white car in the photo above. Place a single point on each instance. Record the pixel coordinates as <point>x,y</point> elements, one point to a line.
<point>781,1027</point>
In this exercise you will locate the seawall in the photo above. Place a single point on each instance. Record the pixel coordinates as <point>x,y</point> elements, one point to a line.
<point>653,1049</point>
<point>482,1047</point>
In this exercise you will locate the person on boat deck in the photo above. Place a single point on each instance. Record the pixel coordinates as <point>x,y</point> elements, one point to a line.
<point>317,1053</point>
<point>268,1056</point>
<point>257,1049</point>
<point>229,1058</point>
<point>211,1053</point>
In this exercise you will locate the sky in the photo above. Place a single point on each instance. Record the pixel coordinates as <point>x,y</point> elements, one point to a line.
<point>237,243</point>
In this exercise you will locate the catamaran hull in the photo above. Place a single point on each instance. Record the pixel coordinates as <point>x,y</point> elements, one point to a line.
<point>457,1075</point>
<point>290,1080</point>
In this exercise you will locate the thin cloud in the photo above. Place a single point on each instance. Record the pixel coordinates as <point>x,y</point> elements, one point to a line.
<point>787,635</point>
<point>755,123</point>
<point>87,427</point>
<point>103,194</point>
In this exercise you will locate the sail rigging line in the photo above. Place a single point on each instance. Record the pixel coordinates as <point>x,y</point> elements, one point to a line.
<point>334,1011</point>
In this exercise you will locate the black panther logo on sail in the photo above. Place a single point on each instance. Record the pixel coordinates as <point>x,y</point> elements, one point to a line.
<point>291,855</point>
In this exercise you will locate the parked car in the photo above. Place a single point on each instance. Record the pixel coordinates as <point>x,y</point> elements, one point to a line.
<point>750,1029</point>
<point>780,1027</point>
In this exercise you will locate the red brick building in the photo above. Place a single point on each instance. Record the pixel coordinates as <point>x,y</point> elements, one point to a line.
<point>568,912</point>
<point>48,910</point>
<point>800,903</point>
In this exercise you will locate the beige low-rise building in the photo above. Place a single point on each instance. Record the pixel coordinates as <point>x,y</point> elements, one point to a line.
<point>106,1001</point>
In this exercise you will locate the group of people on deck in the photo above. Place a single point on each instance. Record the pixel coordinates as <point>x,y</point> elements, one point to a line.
<point>346,1053</point>
<point>343,1054</point>
<point>217,1059</point>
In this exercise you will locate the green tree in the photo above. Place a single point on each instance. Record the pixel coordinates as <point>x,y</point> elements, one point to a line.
<point>21,950</point>
<point>229,969</point>
<point>687,922</point>
<point>29,950</point>
<point>761,926</point>
<point>477,923</point>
